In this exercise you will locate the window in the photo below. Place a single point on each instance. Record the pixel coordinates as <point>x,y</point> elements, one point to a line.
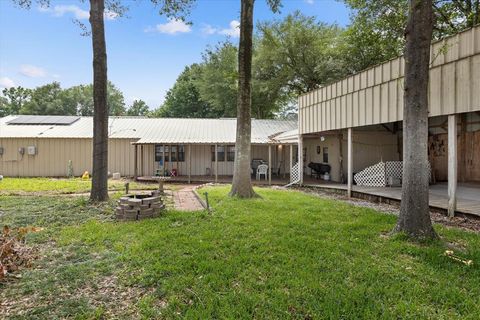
<point>167,153</point>
<point>231,153</point>
<point>159,153</point>
<point>173,153</point>
<point>181,153</point>
<point>325,154</point>
<point>220,153</point>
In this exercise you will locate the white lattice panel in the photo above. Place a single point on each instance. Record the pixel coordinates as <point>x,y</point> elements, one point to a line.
<point>373,176</point>
<point>379,174</point>
<point>295,174</point>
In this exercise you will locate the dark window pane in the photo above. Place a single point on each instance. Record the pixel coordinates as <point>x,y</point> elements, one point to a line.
<point>158,153</point>
<point>231,153</point>
<point>221,153</point>
<point>325,154</point>
<point>181,153</point>
<point>173,152</point>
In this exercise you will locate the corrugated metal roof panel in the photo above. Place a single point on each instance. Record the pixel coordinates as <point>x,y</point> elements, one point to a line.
<point>290,136</point>
<point>150,131</point>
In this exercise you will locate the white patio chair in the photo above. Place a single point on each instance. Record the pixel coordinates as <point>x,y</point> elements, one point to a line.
<point>262,169</point>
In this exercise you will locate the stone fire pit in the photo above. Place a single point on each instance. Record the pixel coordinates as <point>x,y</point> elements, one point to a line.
<point>139,206</point>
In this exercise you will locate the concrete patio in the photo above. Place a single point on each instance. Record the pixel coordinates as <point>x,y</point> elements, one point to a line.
<point>468,194</point>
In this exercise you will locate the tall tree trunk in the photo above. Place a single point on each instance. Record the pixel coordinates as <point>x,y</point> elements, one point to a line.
<point>99,191</point>
<point>414,219</point>
<point>242,183</point>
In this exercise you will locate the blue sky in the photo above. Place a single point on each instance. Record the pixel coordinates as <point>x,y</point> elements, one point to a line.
<point>146,52</point>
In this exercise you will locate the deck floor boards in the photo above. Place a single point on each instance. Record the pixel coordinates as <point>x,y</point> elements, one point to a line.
<point>468,194</point>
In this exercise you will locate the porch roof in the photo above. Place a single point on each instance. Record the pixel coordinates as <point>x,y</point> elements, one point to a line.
<point>207,131</point>
<point>290,136</point>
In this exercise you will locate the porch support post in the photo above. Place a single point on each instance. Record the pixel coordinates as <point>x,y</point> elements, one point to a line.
<point>291,161</point>
<point>142,165</point>
<point>216,163</point>
<point>349,163</point>
<point>452,165</point>
<point>300,159</point>
<point>189,163</point>
<point>163,162</point>
<point>135,162</point>
<point>269,164</point>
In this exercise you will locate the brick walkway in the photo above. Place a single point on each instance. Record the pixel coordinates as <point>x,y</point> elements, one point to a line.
<point>185,200</point>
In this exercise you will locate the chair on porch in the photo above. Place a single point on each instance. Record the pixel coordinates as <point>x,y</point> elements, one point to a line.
<point>262,169</point>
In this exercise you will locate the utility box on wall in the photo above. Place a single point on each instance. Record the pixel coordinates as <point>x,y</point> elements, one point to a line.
<point>31,150</point>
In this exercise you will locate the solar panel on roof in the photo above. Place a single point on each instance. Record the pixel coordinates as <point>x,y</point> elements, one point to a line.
<point>44,120</point>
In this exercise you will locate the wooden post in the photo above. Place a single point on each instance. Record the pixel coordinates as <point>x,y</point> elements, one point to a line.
<point>269,164</point>
<point>300,159</point>
<point>291,161</point>
<point>462,149</point>
<point>135,162</point>
<point>349,163</point>
<point>189,163</point>
<point>452,165</point>
<point>216,163</point>
<point>163,163</point>
<point>340,172</point>
<point>142,165</point>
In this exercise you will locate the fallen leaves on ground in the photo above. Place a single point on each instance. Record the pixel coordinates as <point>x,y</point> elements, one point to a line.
<point>14,253</point>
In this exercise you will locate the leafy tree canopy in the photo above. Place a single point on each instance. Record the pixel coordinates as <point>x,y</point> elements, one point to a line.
<point>51,99</point>
<point>138,108</point>
<point>376,33</point>
<point>183,99</point>
<point>298,54</point>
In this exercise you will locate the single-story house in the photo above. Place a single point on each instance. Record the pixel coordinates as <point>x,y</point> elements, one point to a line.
<point>43,146</point>
<point>355,124</point>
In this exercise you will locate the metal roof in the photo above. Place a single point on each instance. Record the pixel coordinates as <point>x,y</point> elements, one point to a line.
<point>290,136</point>
<point>152,130</point>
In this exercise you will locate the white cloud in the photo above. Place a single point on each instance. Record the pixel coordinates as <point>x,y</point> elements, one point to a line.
<point>310,1</point>
<point>208,29</point>
<point>78,13</point>
<point>232,31</point>
<point>173,26</point>
<point>60,10</point>
<point>32,71</point>
<point>6,82</point>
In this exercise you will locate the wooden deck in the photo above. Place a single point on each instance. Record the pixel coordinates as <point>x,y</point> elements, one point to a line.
<point>468,194</point>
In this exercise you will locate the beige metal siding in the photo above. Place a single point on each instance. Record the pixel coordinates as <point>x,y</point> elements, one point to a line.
<point>54,154</point>
<point>375,95</point>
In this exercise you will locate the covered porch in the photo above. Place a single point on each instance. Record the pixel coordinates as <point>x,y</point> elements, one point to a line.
<point>202,163</point>
<point>368,160</point>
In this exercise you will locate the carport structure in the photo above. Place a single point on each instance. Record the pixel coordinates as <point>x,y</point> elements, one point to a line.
<point>360,117</point>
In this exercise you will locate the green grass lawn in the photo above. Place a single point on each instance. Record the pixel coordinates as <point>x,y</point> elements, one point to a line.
<point>16,186</point>
<point>286,255</point>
